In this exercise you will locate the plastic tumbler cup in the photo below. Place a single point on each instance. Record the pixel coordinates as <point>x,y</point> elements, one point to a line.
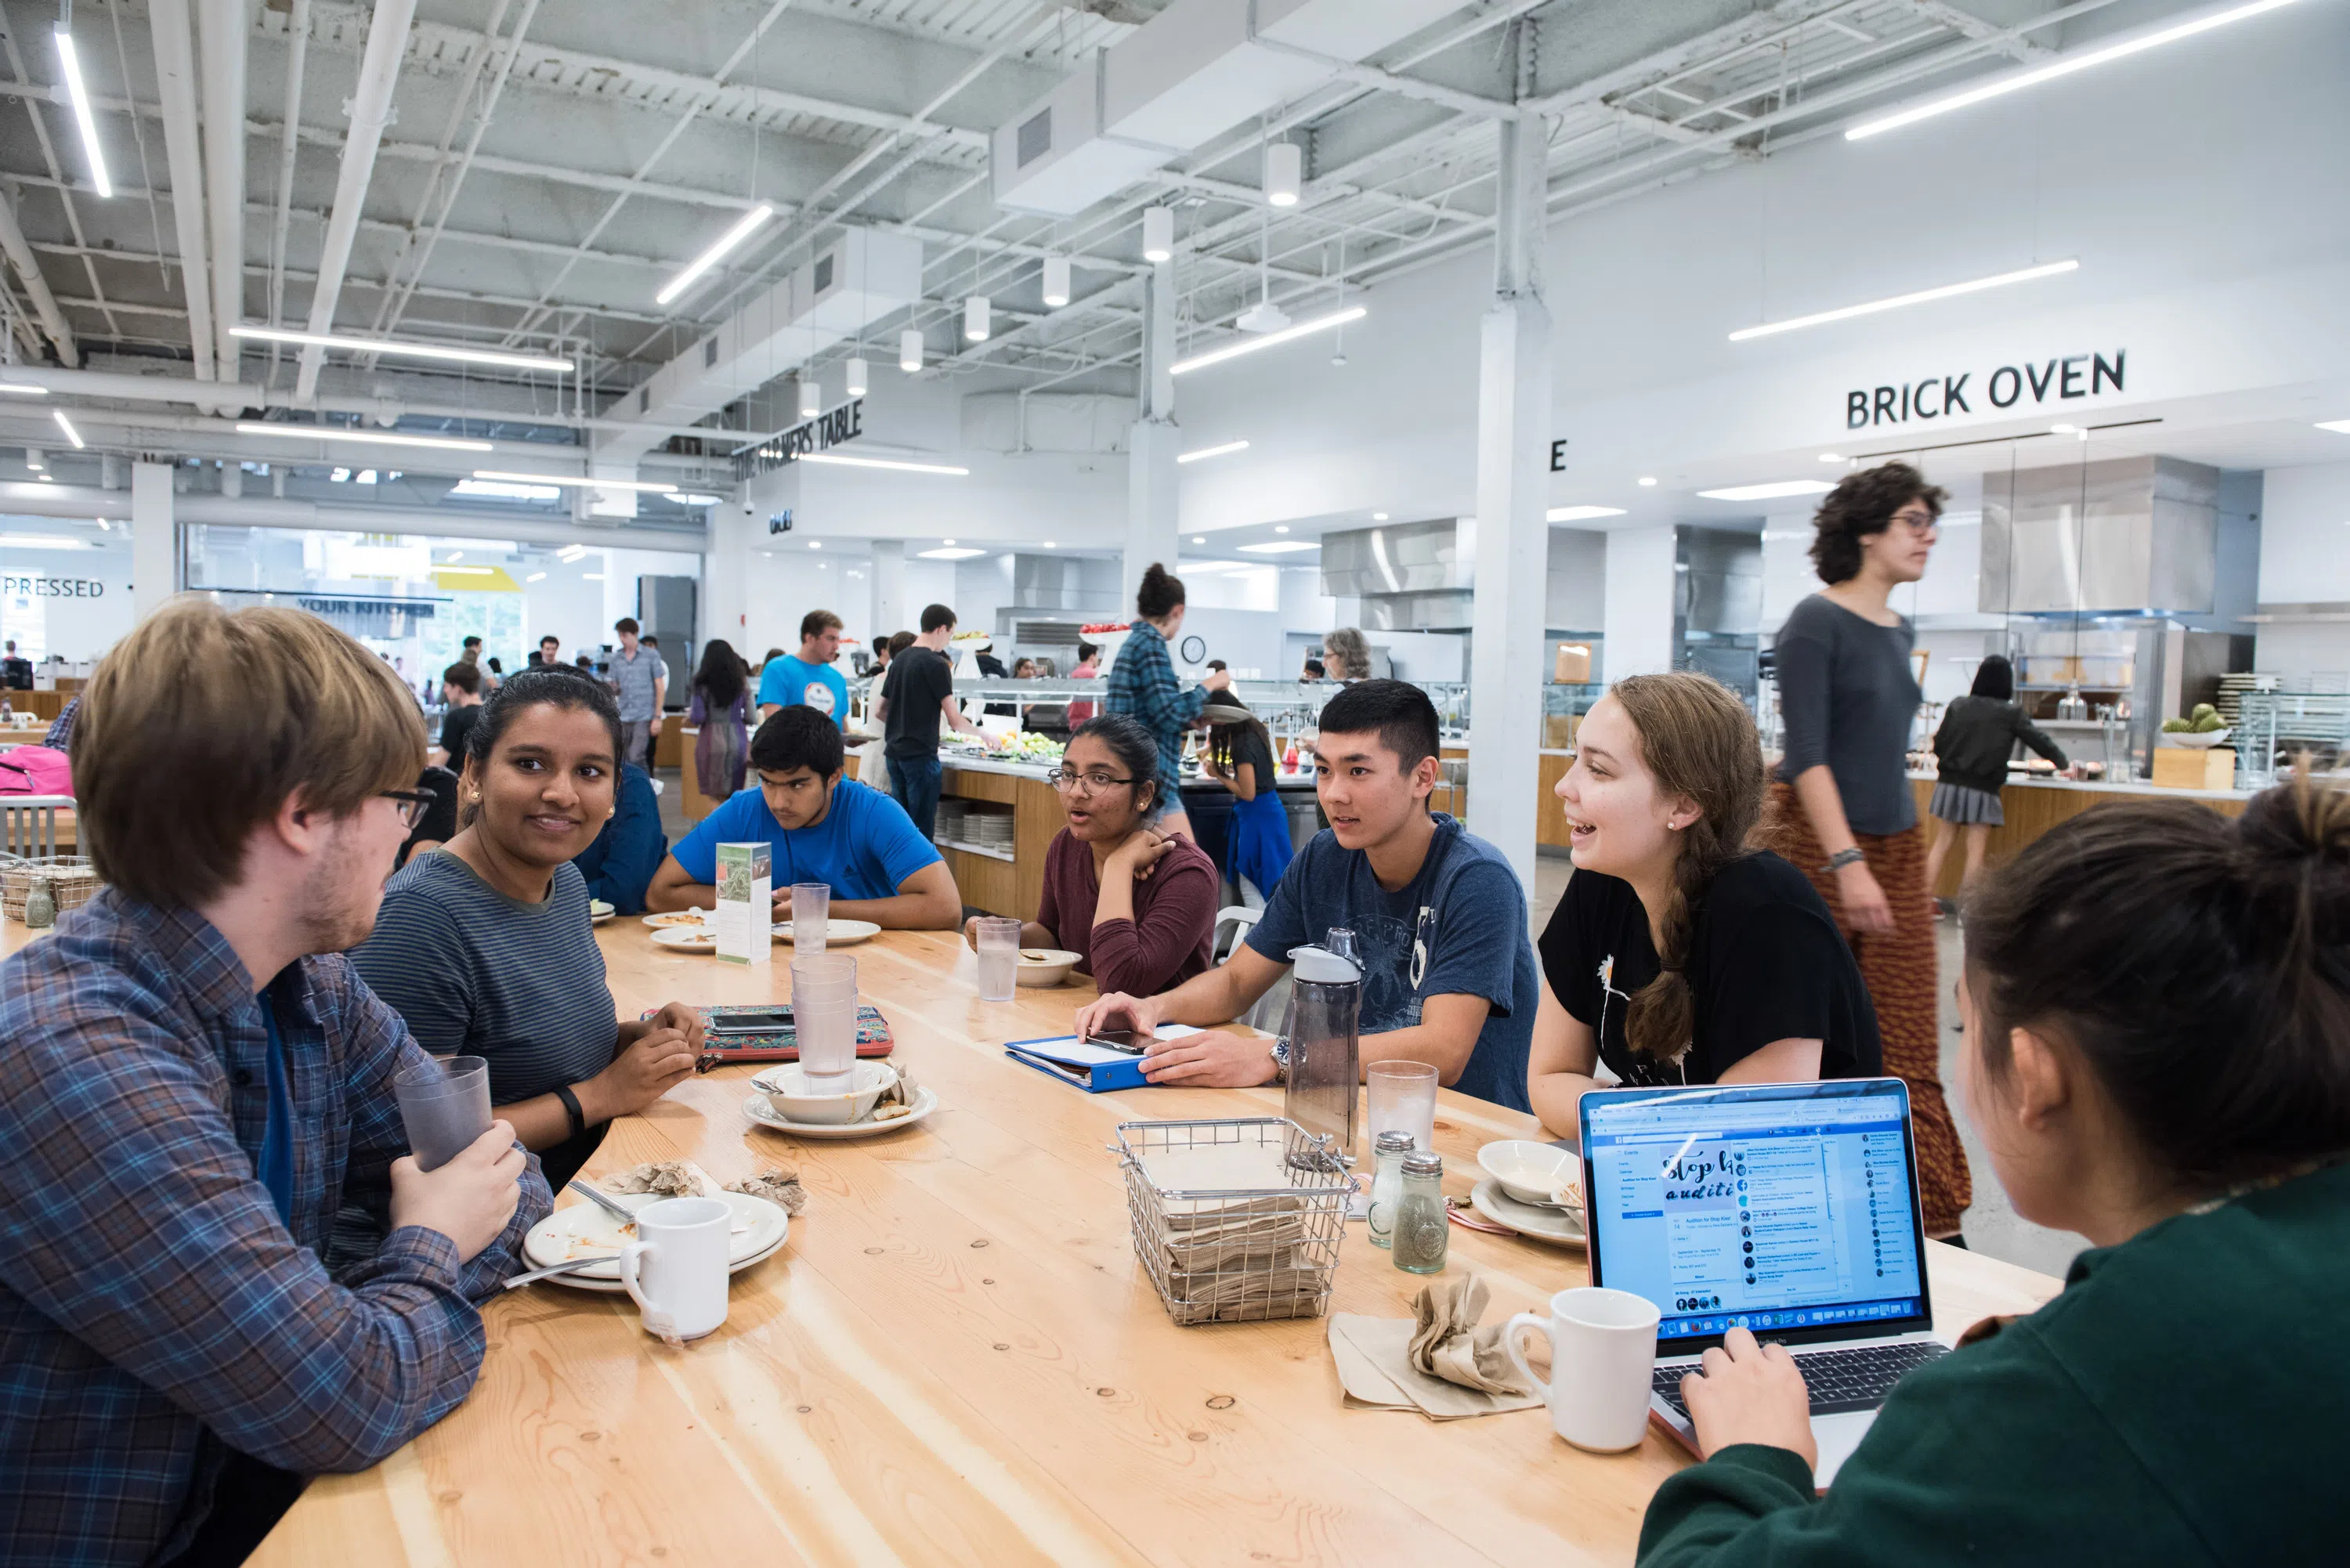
<point>823,1013</point>
<point>811,911</point>
<point>445,1104</point>
<point>1402,1099</point>
<point>999,957</point>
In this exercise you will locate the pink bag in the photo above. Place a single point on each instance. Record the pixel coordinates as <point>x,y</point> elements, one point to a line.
<point>36,770</point>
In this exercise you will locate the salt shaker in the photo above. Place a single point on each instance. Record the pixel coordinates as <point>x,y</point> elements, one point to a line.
<point>1387,1185</point>
<point>1422,1229</point>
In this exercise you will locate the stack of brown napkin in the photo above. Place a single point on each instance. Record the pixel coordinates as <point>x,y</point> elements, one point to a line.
<point>1440,1363</point>
<point>778,1184</point>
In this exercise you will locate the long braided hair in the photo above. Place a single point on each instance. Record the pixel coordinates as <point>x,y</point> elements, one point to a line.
<point>1699,740</point>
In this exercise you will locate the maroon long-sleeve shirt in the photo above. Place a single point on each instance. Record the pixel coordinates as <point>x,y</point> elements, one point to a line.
<point>1166,943</point>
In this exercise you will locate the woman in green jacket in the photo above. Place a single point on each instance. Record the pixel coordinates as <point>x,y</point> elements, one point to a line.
<point>2158,1056</point>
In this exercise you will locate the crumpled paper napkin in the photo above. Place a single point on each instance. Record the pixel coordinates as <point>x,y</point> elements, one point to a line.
<point>1439,1361</point>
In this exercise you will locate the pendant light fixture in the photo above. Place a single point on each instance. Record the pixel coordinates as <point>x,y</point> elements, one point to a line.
<point>1057,281</point>
<point>1285,172</point>
<point>910,350</point>
<point>1158,234</point>
<point>811,396</point>
<point>860,376</point>
<point>976,325</point>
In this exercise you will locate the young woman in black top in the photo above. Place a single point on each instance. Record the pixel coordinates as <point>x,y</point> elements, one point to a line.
<point>1679,955</point>
<point>1978,732</point>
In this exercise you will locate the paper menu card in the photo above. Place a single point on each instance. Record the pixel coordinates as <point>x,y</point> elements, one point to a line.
<point>744,921</point>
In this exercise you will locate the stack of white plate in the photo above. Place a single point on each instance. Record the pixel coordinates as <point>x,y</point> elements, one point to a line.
<point>952,814</point>
<point>2232,689</point>
<point>990,830</point>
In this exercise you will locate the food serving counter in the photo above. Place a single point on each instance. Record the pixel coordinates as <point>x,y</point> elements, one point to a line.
<point>2035,805</point>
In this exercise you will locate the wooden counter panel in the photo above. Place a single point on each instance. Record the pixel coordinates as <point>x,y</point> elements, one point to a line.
<point>2031,811</point>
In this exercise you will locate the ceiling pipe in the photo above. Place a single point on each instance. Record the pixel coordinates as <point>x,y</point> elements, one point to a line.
<point>135,389</point>
<point>289,139</point>
<point>175,79</point>
<point>224,25</point>
<point>44,304</point>
<point>82,503</point>
<point>370,111</point>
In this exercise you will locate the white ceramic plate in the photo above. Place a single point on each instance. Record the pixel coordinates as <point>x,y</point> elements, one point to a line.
<point>688,939</point>
<point>837,933</point>
<point>677,918</point>
<point>599,912</point>
<point>582,1229</point>
<point>1544,1224</point>
<point>756,1107</point>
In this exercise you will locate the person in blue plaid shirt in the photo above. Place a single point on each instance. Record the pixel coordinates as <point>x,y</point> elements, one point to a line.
<point>1141,681</point>
<point>193,1077</point>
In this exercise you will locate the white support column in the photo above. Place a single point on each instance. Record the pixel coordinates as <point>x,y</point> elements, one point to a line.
<point>1153,521</point>
<point>726,575</point>
<point>888,588</point>
<point>154,538</point>
<point>1512,538</point>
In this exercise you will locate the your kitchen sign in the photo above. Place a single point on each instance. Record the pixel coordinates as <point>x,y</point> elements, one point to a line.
<point>2031,384</point>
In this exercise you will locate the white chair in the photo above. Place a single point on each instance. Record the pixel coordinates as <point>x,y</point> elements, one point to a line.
<point>1232,926</point>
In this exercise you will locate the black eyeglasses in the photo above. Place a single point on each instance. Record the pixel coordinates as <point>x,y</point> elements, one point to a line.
<point>413,802</point>
<point>1065,780</point>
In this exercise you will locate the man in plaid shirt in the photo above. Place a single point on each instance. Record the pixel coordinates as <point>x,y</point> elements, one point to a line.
<point>193,1076</point>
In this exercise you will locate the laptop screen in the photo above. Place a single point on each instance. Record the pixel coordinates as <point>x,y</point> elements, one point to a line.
<point>1780,1208</point>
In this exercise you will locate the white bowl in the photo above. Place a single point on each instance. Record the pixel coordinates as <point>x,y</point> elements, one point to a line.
<point>1050,966</point>
<point>786,1088</point>
<point>2194,741</point>
<point>1529,1171</point>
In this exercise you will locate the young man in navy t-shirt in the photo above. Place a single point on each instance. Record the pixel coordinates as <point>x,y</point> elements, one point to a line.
<point>824,828</point>
<point>1439,917</point>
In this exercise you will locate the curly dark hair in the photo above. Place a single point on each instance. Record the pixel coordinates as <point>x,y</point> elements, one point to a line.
<point>1864,504</point>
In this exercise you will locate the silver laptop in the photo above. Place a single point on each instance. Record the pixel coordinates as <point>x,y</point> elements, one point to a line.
<point>1789,1209</point>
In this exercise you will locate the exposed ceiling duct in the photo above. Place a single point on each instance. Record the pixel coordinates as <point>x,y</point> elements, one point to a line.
<point>183,153</point>
<point>846,286</point>
<point>225,25</point>
<point>370,110</point>
<point>1191,74</point>
<point>44,304</point>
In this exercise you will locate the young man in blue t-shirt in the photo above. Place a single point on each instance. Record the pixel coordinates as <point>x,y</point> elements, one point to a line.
<point>1439,917</point>
<point>824,828</point>
<point>810,679</point>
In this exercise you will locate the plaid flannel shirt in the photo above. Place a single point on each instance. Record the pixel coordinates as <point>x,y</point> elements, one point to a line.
<point>1141,681</point>
<point>154,1310</point>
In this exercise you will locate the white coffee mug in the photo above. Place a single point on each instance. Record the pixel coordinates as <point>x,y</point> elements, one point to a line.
<point>1602,1347</point>
<point>676,1268</point>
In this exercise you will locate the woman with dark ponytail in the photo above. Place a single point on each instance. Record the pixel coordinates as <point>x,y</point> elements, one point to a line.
<point>1680,954</point>
<point>2157,1004</point>
<point>1142,682</point>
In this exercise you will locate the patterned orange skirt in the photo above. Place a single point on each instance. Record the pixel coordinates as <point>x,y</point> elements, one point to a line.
<point>1902,973</point>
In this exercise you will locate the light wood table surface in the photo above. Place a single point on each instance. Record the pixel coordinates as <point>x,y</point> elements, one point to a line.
<point>956,1359</point>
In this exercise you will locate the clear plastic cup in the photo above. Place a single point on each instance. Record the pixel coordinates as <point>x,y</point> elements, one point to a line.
<point>1402,1097</point>
<point>823,1014</point>
<point>811,911</point>
<point>999,957</point>
<point>445,1106</point>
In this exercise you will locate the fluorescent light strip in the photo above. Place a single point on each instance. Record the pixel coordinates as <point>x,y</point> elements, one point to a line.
<point>710,258</point>
<point>2063,67</point>
<point>66,425</point>
<point>1280,547</point>
<point>659,486</point>
<point>1774,492</point>
<point>1208,451</point>
<point>1251,345</point>
<point>2339,426</point>
<point>964,554</point>
<point>683,499</point>
<point>337,432</point>
<point>1578,513</point>
<point>71,62</point>
<point>833,457</point>
<point>466,571</point>
<point>22,391</point>
<point>399,350</point>
<point>45,542</point>
<point>1973,286</point>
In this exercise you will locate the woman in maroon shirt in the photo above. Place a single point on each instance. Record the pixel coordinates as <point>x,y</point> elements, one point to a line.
<point>1137,907</point>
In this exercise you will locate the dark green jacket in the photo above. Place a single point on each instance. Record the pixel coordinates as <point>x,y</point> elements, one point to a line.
<point>2182,1401</point>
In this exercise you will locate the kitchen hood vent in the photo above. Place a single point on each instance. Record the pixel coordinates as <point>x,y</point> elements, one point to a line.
<point>2130,535</point>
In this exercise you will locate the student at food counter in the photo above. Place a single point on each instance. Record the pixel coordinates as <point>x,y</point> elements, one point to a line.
<point>1142,682</point>
<point>2153,999</point>
<point>1680,954</point>
<point>1240,757</point>
<point>1979,732</point>
<point>824,828</point>
<point>810,677</point>
<point>1136,906</point>
<point>1445,980</point>
<point>1843,805</point>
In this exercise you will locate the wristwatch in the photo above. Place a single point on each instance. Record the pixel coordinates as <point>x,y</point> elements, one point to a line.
<point>1844,857</point>
<point>1280,1054</point>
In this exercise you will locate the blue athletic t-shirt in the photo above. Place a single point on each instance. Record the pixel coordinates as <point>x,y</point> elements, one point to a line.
<point>1458,928</point>
<point>864,848</point>
<point>792,680</point>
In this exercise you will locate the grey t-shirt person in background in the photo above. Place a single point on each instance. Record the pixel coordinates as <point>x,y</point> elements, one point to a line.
<point>1848,697</point>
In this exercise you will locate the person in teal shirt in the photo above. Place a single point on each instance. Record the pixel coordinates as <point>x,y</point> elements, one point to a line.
<point>2157,1005</point>
<point>824,828</point>
<point>810,679</point>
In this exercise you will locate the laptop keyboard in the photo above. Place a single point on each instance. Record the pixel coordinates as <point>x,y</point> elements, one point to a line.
<point>1839,1380</point>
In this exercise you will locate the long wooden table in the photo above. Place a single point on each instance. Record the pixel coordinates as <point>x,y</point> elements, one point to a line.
<point>956,1359</point>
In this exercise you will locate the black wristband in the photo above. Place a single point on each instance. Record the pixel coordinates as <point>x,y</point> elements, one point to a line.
<point>571,1108</point>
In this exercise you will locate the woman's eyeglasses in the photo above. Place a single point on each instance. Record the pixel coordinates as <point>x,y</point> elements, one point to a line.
<point>1069,780</point>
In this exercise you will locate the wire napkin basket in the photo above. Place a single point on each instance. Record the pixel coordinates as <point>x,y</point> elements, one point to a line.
<point>73,881</point>
<point>1236,1220</point>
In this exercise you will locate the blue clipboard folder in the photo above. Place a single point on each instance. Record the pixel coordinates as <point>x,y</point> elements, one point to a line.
<point>1096,1069</point>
